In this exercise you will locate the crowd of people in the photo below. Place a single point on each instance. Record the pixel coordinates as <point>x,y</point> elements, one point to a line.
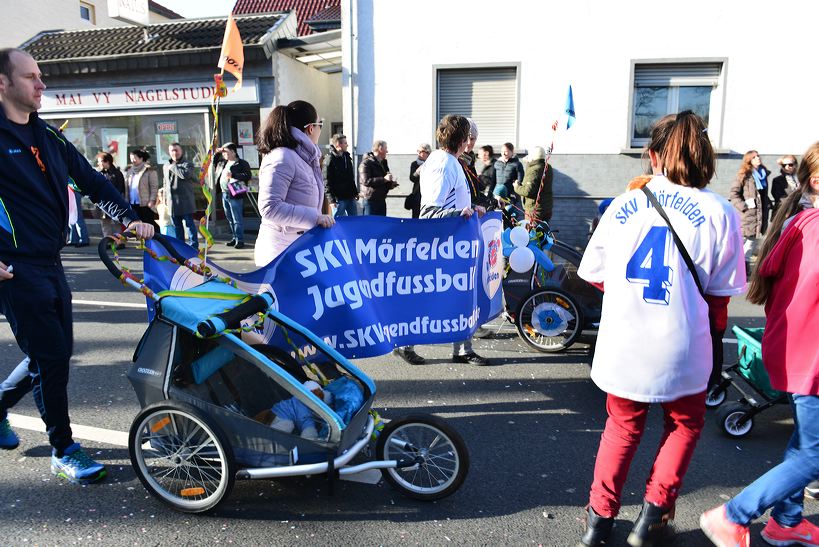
<point>676,276</point>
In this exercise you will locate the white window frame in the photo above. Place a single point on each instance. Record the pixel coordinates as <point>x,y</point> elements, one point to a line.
<point>716,107</point>
<point>92,16</point>
<point>436,69</point>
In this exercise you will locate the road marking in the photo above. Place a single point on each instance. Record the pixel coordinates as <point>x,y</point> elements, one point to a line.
<point>84,432</point>
<point>103,303</point>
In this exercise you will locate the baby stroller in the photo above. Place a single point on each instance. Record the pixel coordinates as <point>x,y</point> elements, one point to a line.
<point>215,409</point>
<point>737,418</point>
<point>552,310</point>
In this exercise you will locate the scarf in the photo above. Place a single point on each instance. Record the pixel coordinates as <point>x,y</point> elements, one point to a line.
<point>760,178</point>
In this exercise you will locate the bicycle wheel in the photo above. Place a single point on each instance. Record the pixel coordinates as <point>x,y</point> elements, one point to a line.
<point>549,321</point>
<point>181,457</point>
<point>441,454</point>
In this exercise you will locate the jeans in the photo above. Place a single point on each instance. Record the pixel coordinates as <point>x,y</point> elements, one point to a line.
<point>375,207</point>
<point>346,207</point>
<point>783,486</point>
<point>683,419</point>
<point>234,208</point>
<point>191,226</point>
<point>37,305</point>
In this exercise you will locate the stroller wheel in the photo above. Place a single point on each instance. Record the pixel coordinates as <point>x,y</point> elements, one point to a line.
<point>715,397</point>
<point>549,321</point>
<point>181,457</point>
<point>440,452</point>
<point>735,419</point>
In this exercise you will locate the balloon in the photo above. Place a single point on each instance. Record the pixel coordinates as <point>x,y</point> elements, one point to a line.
<point>522,259</point>
<point>519,236</point>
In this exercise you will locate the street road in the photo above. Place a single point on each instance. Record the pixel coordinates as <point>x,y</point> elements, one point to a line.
<point>531,423</point>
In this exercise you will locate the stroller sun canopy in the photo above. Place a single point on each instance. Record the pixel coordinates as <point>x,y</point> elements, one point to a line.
<point>187,308</point>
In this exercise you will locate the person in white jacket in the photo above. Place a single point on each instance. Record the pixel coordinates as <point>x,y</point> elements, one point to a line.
<point>291,187</point>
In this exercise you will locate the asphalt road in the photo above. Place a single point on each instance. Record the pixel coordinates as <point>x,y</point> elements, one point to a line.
<point>531,423</point>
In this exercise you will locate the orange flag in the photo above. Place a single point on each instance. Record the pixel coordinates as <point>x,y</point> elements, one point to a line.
<point>232,57</point>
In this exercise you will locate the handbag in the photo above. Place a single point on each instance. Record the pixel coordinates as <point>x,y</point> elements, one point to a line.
<point>685,256</point>
<point>412,201</point>
<point>236,188</point>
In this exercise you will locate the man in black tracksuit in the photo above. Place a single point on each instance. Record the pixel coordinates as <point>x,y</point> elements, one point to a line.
<point>340,189</point>
<point>37,164</point>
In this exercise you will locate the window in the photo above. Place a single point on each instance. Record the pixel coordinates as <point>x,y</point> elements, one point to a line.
<point>87,12</point>
<point>487,95</point>
<point>661,89</point>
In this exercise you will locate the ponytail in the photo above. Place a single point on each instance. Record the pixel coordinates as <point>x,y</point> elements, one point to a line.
<point>688,157</point>
<point>275,132</point>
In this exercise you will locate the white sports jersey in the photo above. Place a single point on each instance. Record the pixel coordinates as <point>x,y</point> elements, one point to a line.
<point>443,183</point>
<point>654,343</point>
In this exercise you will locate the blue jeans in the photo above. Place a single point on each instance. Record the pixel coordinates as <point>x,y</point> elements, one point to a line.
<point>235,216</point>
<point>191,225</point>
<point>346,207</point>
<point>375,207</point>
<point>783,486</point>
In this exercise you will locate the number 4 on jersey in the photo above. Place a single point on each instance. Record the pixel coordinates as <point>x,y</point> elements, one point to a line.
<point>649,266</point>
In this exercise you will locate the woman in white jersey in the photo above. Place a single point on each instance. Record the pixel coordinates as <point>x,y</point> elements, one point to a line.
<point>654,344</point>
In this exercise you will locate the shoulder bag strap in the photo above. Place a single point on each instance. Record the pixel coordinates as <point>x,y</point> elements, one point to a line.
<point>686,257</point>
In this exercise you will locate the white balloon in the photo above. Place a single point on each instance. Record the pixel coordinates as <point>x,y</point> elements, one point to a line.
<point>519,236</point>
<point>522,259</point>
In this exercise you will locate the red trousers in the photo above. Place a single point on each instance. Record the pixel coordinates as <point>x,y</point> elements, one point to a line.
<point>683,422</point>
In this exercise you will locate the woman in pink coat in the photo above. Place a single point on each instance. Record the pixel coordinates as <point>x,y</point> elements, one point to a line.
<point>291,188</point>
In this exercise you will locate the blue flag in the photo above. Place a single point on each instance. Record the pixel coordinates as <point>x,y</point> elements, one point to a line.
<point>570,108</point>
<point>369,284</point>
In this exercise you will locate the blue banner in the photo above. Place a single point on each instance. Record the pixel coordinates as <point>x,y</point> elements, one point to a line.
<point>369,284</point>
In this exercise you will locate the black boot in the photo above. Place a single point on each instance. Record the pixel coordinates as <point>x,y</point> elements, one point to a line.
<point>651,526</point>
<point>598,529</point>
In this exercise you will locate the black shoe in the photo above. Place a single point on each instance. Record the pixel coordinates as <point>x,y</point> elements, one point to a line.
<point>650,526</point>
<point>472,358</point>
<point>597,531</point>
<point>409,356</point>
<point>231,243</point>
<point>240,245</point>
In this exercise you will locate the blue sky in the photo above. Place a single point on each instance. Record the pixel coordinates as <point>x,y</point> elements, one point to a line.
<point>199,8</point>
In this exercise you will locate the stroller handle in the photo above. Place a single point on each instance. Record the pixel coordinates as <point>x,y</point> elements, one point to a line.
<point>232,318</point>
<point>106,241</point>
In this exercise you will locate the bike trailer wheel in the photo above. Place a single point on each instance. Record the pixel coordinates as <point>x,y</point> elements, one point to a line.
<point>181,457</point>
<point>440,452</point>
<point>735,419</point>
<point>549,321</point>
<point>715,397</point>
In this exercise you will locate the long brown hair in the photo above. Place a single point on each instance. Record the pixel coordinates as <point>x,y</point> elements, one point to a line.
<point>747,167</point>
<point>275,131</point>
<point>760,287</point>
<point>682,144</point>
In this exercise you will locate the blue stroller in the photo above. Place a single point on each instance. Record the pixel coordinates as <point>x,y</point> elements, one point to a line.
<point>215,409</point>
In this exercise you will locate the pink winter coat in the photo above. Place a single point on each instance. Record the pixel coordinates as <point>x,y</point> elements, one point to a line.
<point>291,193</point>
<point>789,348</point>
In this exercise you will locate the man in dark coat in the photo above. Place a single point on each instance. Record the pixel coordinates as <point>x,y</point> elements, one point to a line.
<point>375,180</point>
<point>180,183</point>
<point>341,191</point>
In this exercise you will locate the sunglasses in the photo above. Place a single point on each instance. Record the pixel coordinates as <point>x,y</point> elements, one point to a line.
<point>788,165</point>
<point>316,124</point>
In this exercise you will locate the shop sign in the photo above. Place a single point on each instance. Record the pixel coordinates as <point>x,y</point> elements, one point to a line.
<point>130,11</point>
<point>143,96</point>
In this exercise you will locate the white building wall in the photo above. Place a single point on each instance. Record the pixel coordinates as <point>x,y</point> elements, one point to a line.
<point>591,45</point>
<point>27,18</point>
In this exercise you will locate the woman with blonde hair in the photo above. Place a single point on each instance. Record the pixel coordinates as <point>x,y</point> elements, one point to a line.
<point>785,282</point>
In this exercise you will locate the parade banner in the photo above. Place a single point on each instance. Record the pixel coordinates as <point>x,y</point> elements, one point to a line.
<point>370,284</point>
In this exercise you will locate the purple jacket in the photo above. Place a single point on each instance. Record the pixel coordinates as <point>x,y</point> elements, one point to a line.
<point>291,194</point>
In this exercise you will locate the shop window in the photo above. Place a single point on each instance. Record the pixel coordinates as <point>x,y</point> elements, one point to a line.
<point>87,12</point>
<point>487,95</point>
<point>661,89</point>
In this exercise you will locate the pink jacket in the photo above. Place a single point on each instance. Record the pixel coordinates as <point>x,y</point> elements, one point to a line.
<point>789,348</point>
<point>291,194</point>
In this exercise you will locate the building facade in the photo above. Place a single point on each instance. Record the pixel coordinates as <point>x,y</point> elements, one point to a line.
<point>509,66</point>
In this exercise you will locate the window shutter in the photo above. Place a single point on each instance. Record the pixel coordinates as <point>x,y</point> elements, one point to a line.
<point>677,74</point>
<point>487,95</point>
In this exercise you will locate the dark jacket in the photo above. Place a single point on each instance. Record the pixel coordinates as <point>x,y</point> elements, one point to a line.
<point>780,189</point>
<point>115,177</point>
<point>537,202</point>
<point>371,175</point>
<point>415,176</point>
<point>340,176</point>
<point>34,204</point>
<point>240,170</point>
<point>488,178</point>
<point>744,189</point>
<point>180,183</point>
<point>507,173</point>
